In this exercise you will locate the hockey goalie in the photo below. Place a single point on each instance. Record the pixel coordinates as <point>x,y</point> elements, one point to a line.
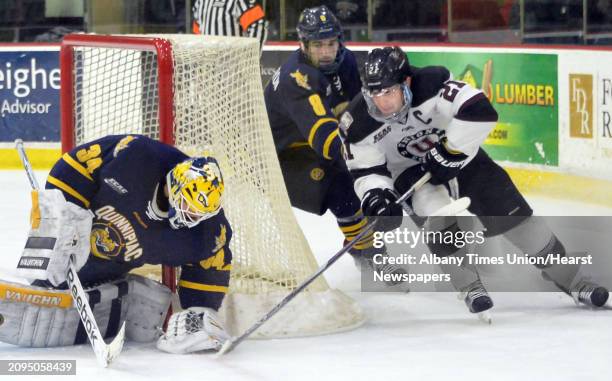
<point>118,203</point>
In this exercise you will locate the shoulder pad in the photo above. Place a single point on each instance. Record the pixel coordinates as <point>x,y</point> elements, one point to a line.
<point>426,82</point>
<point>300,77</point>
<point>356,123</point>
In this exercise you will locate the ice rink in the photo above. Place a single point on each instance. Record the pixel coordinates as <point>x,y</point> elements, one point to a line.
<point>416,336</point>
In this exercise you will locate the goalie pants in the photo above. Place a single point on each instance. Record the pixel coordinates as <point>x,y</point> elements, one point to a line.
<point>97,271</point>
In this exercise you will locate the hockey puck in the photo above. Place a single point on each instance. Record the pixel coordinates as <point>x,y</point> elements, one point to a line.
<point>1,319</point>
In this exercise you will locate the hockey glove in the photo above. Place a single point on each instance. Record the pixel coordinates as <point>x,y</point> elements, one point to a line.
<point>380,203</point>
<point>192,330</point>
<point>408,178</point>
<point>59,229</point>
<point>442,164</point>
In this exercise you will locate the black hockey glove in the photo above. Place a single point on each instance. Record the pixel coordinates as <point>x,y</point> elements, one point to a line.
<point>408,178</point>
<point>380,203</point>
<point>442,164</point>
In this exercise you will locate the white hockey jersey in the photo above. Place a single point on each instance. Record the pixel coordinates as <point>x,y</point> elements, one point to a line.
<point>376,153</point>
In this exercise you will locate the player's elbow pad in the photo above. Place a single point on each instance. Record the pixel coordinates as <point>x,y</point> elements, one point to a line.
<point>480,110</point>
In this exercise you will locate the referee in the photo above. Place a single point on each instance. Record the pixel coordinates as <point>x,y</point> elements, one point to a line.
<point>243,18</point>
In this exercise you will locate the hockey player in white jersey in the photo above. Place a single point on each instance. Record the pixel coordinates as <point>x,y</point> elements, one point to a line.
<point>408,121</point>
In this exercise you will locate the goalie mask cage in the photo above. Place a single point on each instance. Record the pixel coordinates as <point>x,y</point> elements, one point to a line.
<point>204,94</point>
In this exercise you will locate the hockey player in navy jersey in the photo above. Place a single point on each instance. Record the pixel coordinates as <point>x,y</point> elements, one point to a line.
<point>303,100</point>
<point>121,202</point>
<point>409,121</point>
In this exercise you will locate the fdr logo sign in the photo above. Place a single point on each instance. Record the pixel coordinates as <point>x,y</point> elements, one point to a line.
<point>581,105</point>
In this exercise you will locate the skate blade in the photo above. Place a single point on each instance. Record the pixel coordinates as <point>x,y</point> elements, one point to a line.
<point>485,317</point>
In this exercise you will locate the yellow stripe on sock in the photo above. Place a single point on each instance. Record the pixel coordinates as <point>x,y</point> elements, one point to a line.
<point>202,286</point>
<point>353,228</point>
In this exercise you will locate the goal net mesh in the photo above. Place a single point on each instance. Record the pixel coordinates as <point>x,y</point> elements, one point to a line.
<point>216,107</point>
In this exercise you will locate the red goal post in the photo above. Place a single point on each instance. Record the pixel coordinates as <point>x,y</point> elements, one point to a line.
<point>204,94</point>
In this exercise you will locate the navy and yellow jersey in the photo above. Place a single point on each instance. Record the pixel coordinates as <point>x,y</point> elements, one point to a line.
<point>120,178</point>
<point>303,103</point>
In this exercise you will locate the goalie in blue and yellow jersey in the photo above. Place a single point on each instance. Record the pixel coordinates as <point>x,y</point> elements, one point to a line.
<point>304,99</point>
<point>119,203</point>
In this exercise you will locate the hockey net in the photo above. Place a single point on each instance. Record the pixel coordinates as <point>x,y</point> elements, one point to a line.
<point>204,94</point>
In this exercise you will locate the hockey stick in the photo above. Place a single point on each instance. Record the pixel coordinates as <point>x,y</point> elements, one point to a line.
<point>105,353</point>
<point>233,342</point>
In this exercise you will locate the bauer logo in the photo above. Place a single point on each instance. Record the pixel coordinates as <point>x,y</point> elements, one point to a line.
<point>581,105</point>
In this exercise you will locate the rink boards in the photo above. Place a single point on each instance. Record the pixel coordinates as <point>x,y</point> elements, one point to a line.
<point>555,106</point>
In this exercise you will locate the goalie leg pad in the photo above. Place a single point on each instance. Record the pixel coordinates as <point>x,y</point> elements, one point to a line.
<point>148,305</point>
<point>36,317</point>
<point>40,317</point>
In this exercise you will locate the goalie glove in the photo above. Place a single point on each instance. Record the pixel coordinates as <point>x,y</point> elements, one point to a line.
<point>58,230</point>
<point>192,330</point>
<point>443,164</point>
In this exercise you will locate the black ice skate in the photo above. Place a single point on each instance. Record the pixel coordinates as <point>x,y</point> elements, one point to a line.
<point>365,257</point>
<point>477,300</point>
<point>589,293</point>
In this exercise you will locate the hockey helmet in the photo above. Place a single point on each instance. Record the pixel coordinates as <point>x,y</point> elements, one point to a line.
<point>195,191</point>
<point>386,68</point>
<point>319,23</point>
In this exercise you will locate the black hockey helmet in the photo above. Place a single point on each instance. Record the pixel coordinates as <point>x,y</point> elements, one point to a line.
<point>319,23</point>
<point>385,68</point>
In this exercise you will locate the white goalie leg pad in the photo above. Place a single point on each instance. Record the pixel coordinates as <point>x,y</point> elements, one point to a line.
<point>35,316</point>
<point>39,317</point>
<point>192,330</point>
<point>148,306</point>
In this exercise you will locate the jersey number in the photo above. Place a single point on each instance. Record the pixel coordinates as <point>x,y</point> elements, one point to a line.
<point>317,105</point>
<point>90,157</point>
<point>451,89</point>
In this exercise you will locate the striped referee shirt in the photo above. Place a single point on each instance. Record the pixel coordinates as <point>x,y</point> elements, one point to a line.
<point>230,18</point>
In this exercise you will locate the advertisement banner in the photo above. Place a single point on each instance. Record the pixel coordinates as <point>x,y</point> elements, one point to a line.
<point>523,89</point>
<point>29,96</point>
<point>604,106</point>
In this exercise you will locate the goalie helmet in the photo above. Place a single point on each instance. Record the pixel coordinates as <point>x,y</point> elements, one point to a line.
<point>385,70</point>
<point>195,191</point>
<point>319,23</point>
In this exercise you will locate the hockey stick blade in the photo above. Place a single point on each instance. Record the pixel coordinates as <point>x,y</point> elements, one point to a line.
<point>105,353</point>
<point>454,208</point>
<point>230,344</point>
<point>485,317</point>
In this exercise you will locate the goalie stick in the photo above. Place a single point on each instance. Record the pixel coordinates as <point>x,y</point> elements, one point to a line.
<point>105,353</point>
<point>455,207</point>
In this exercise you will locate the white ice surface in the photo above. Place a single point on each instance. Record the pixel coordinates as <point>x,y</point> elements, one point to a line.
<point>414,336</point>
